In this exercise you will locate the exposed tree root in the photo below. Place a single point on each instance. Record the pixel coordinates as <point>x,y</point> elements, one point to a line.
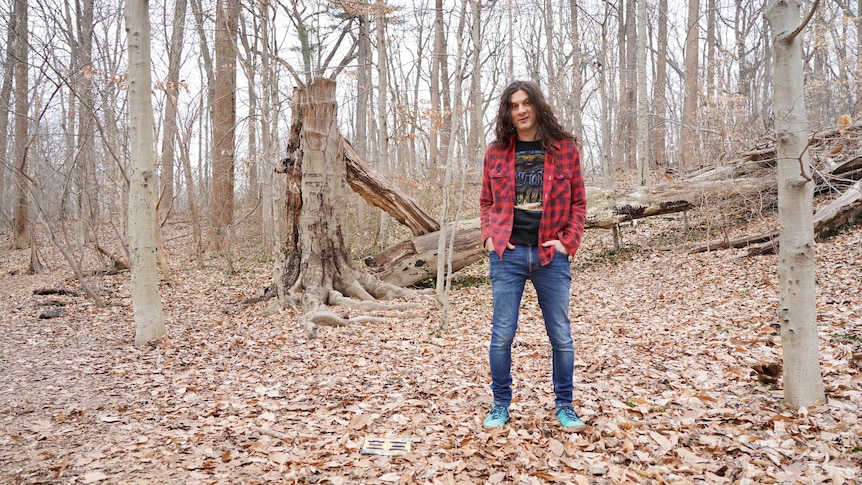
<point>314,270</point>
<point>364,293</point>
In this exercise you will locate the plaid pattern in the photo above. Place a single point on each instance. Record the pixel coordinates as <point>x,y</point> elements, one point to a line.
<point>564,201</point>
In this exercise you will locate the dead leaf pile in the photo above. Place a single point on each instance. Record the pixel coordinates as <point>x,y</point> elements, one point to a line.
<point>667,351</point>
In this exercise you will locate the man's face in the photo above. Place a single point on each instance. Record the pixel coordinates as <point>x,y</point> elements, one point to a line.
<point>523,115</point>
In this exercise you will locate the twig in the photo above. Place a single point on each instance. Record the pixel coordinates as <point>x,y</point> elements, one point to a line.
<point>808,17</point>
<point>273,433</point>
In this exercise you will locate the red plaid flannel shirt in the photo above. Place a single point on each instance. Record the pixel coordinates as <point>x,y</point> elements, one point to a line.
<point>564,201</point>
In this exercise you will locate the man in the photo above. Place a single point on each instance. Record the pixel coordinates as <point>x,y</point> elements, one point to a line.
<point>533,208</point>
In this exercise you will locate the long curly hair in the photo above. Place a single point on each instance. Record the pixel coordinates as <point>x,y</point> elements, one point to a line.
<point>548,127</point>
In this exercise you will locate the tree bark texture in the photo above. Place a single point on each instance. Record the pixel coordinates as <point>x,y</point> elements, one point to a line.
<point>318,269</point>
<point>146,301</point>
<point>797,313</point>
<point>224,121</point>
<point>21,212</point>
<point>167,160</point>
<point>5,98</point>
<point>689,136</point>
<point>374,189</point>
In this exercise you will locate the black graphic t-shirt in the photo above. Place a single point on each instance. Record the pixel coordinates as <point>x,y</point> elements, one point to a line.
<point>529,171</point>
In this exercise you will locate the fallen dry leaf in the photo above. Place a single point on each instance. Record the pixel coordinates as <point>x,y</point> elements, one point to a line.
<point>663,379</point>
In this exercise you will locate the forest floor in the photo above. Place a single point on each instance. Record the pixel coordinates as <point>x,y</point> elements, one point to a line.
<point>666,346</point>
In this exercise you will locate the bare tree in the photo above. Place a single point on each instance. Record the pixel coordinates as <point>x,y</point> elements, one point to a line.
<point>659,94</point>
<point>626,138</point>
<point>149,319</point>
<point>224,122</point>
<point>643,151</point>
<point>5,98</point>
<point>689,135</point>
<point>858,68</point>
<point>797,311</point>
<point>382,111</point>
<point>318,46</point>
<point>172,88</point>
<point>21,214</point>
<point>577,69</point>
<point>363,85</point>
<point>269,112</point>
<point>475,141</point>
<point>205,120</point>
<point>438,57</point>
<point>81,42</point>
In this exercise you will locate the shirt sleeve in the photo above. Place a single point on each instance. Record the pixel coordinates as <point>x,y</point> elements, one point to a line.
<point>573,231</point>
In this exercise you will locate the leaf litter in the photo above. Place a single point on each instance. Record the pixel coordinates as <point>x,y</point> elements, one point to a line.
<point>669,351</point>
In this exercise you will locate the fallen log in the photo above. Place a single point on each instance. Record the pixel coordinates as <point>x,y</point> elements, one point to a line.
<point>414,260</point>
<point>846,209</point>
<point>409,262</point>
<point>374,189</point>
<point>607,208</point>
<point>739,242</point>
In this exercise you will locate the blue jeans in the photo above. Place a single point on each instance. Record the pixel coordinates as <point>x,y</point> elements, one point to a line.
<point>552,284</point>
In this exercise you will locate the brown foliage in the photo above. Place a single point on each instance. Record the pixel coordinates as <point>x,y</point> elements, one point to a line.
<point>665,347</point>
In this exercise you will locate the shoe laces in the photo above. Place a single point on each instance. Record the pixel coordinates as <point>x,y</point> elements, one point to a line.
<point>497,412</point>
<point>568,413</point>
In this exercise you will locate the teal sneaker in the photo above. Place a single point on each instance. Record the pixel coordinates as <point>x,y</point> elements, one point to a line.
<point>497,418</point>
<point>569,419</point>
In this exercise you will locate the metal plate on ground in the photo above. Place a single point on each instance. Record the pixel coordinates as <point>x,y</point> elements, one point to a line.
<point>386,446</point>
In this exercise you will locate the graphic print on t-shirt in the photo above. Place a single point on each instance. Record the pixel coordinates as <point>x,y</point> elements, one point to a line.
<point>529,170</point>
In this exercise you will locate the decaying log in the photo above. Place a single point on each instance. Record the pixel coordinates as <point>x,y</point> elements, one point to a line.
<point>411,261</point>
<point>847,170</point>
<point>607,208</point>
<point>846,209</point>
<point>414,260</point>
<point>739,242</point>
<point>843,210</point>
<point>377,192</point>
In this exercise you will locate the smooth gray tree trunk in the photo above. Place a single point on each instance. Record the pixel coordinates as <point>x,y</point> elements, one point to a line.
<point>146,301</point>
<point>797,312</point>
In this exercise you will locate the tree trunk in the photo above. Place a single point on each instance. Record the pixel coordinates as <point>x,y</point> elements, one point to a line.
<point>548,27</point>
<point>149,319</point>
<point>577,78</point>
<point>659,96</point>
<point>85,161</point>
<point>477,130</point>
<point>269,139</point>
<point>21,214</point>
<point>194,213</point>
<point>437,56</point>
<point>363,87</point>
<point>250,68</point>
<point>797,313</point>
<point>169,136</point>
<point>416,259</point>
<point>5,97</point>
<point>382,113</point>
<point>372,187</point>
<point>319,270</point>
<point>643,151</point>
<point>224,121</point>
<point>688,136</point>
<point>627,126</point>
